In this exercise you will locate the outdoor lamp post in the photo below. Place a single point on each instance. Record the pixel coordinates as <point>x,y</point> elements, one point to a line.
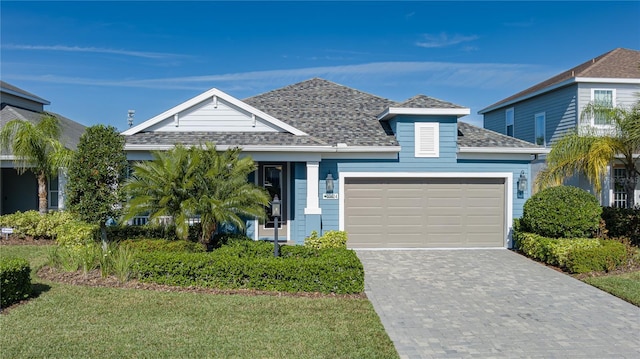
<point>275,213</point>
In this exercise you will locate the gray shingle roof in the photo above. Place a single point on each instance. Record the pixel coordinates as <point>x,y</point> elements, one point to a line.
<point>70,130</point>
<point>329,112</point>
<point>473,136</point>
<point>422,101</point>
<point>222,138</point>
<point>617,63</point>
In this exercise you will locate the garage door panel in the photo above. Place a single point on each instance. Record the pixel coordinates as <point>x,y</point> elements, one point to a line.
<point>425,212</point>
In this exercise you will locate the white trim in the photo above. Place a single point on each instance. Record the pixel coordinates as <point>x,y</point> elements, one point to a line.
<point>513,122</point>
<point>394,111</point>
<point>507,176</point>
<point>258,148</point>
<point>313,178</point>
<point>523,150</point>
<point>609,80</point>
<point>544,127</point>
<point>207,96</point>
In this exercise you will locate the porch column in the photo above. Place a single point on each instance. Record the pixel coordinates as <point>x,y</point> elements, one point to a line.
<point>313,211</point>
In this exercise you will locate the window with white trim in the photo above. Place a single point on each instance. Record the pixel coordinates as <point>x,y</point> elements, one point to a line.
<point>619,194</point>
<point>509,119</point>
<point>52,184</point>
<point>427,139</point>
<point>603,97</point>
<point>541,138</point>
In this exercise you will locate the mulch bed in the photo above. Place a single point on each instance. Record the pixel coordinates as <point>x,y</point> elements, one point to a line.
<point>15,240</point>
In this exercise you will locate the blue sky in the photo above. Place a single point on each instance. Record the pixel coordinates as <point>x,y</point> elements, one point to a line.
<point>96,60</point>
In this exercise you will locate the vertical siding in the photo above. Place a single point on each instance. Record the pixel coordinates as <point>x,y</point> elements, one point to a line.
<point>559,107</point>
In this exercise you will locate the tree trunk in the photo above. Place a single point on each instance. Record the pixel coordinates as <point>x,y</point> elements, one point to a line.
<point>42,193</point>
<point>103,236</point>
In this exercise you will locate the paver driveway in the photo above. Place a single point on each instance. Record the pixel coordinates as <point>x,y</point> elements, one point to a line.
<point>494,303</point>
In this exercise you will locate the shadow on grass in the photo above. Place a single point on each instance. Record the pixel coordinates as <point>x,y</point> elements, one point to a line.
<point>37,289</point>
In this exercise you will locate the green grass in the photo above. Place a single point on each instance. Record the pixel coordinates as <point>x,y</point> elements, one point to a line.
<point>625,286</point>
<point>82,322</point>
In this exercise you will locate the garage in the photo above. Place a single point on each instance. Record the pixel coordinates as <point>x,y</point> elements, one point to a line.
<point>425,212</point>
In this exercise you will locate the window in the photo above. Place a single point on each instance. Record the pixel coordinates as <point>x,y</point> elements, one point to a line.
<point>509,121</point>
<point>602,97</point>
<point>619,194</point>
<point>427,139</point>
<point>541,138</point>
<point>52,185</point>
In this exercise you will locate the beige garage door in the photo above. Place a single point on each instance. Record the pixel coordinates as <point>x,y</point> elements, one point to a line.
<point>425,212</point>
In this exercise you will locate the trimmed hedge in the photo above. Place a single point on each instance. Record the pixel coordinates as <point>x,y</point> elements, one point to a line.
<point>330,239</point>
<point>15,280</point>
<point>607,257</point>
<point>32,223</point>
<point>251,265</point>
<point>562,212</point>
<point>162,245</point>
<point>623,222</point>
<point>123,232</point>
<point>576,255</point>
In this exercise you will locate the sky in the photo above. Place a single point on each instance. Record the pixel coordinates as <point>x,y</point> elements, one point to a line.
<point>94,61</point>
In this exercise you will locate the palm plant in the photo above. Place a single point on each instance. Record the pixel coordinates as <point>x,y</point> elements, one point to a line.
<point>198,181</point>
<point>36,147</point>
<point>591,151</point>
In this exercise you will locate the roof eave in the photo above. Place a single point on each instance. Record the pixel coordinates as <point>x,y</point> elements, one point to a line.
<point>391,112</point>
<point>520,150</point>
<point>258,148</point>
<point>26,96</point>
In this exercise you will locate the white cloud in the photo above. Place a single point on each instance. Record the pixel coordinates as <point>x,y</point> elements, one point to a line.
<point>449,74</point>
<point>63,48</point>
<point>444,40</point>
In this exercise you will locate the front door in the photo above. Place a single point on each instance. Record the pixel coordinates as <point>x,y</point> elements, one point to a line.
<point>273,177</point>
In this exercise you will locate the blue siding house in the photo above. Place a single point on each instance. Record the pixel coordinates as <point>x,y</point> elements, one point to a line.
<point>393,175</point>
<point>546,111</point>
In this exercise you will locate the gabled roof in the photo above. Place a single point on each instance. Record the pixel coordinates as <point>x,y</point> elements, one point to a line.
<point>16,91</point>
<point>475,139</point>
<point>619,65</point>
<point>212,94</point>
<point>70,130</point>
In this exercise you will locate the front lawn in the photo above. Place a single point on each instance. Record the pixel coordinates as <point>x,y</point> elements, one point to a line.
<point>76,321</point>
<point>625,286</point>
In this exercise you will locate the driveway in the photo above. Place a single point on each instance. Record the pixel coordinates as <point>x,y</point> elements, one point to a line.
<point>493,303</point>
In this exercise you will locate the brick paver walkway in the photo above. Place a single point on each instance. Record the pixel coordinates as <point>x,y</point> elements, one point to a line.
<point>494,304</point>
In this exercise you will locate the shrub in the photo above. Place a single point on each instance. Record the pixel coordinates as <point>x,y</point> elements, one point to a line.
<point>623,222</point>
<point>251,265</point>
<point>149,231</point>
<point>330,239</point>
<point>162,245</point>
<point>561,212</point>
<point>77,233</point>
<point>31,223</point>
<point>15,280</point>
<point>221,239</point>
<point>608,256</point>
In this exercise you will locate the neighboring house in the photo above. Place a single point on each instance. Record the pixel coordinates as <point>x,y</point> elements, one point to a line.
<point>393,175</point>
<point>544,112</point>
<point>20,192</point>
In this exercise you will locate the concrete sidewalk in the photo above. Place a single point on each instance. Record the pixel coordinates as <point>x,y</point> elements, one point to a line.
<point>494,304</point>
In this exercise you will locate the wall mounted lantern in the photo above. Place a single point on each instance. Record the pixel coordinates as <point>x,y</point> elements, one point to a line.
<point>522,182</point>
<point>329,183</point>
<point>275,213</point>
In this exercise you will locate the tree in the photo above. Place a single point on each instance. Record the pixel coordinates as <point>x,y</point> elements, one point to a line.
<point>198,181</point>
<point>590,151</point>
<point>36,147</point>
<point>95,176</point>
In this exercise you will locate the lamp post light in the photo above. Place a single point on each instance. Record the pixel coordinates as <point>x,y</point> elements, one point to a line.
<point>275,213</point>
<point>522,184</point>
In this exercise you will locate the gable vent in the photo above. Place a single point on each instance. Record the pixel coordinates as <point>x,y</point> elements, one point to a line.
<point>427,139</point>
